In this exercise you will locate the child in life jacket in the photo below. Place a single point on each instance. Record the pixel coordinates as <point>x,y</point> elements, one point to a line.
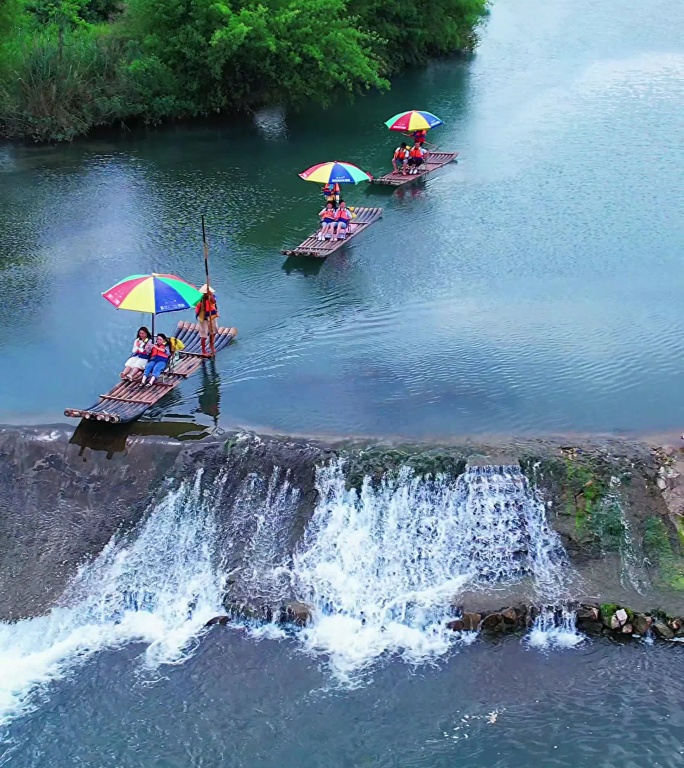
<point>343,217</point>
<point>327,222</point>
<point>401,156</point>
<point>159,358</point>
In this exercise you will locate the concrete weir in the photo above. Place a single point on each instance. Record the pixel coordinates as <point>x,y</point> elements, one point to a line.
<point>592,522</point>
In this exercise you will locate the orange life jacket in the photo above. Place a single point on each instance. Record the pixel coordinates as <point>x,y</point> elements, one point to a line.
<point>415,152</point>
<point>343,213</point>
<point>400,153</point>
<point>206,308</point>
<point>160,351</point>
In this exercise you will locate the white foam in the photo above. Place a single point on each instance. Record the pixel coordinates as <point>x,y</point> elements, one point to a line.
<point>382,566</point>
<point>553,629</point>
<point>159,589</point>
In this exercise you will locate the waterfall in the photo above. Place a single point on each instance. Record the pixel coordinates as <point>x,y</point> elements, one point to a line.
<point>382,566</point>
<point>159,587</point>
<point>554,628</point>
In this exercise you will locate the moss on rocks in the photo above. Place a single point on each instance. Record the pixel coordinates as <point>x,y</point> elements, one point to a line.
<point>659,549</point>
<point>380,463</point>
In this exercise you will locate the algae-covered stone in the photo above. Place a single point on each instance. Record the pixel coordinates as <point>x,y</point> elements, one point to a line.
<point>608,614</point>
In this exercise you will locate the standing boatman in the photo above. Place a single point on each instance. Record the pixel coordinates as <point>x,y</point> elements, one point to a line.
<point>206,312</point>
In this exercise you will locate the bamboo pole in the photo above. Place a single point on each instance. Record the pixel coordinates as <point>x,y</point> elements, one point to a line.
<point>207,295</point>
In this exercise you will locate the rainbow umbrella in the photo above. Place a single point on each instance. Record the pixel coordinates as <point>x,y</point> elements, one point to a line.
<point>335,172</point>
<point>153,293</point>
<point>413,120</point>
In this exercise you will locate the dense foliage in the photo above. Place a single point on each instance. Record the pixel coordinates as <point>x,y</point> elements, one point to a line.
<point>69,65</point>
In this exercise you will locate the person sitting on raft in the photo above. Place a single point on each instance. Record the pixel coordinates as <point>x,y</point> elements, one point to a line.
<point>401,155</point>
<point>159,359</point>
<point>207,314</point>
<point>140,355</point>
<point>343,217</point>
<point>416,156</point>
<point>327,222</point>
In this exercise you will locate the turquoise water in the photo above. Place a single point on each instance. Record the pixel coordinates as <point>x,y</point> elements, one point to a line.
<point>534,286</point>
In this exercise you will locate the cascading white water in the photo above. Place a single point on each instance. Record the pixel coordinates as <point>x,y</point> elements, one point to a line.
<point>382,566</point>
<point>160,589</point>
<point>554,628</point>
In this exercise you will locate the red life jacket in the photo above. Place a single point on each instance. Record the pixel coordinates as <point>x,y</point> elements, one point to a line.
<point>343,213</point>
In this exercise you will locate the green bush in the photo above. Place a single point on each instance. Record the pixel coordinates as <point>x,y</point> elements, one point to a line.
<point>69,65</point>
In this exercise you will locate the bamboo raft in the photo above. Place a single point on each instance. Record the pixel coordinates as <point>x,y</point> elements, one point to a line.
<point>127,401</point>
<point>321,249</point>
<point>435,161</point>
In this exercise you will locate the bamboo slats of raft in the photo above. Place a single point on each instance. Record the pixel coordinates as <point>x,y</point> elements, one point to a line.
<point>321,249</point>
<point>127,401</point>
<point>435,160</point>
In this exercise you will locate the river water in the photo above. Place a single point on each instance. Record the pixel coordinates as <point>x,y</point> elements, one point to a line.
<point>533,286</point>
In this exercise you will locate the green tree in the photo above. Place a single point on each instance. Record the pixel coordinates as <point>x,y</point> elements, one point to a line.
<point>239,55</point>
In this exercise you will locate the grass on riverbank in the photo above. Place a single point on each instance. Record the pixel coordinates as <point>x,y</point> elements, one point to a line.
<point>67,66</point>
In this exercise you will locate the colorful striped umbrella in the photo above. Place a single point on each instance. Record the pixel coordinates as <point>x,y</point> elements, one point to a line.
<point>335,172</point>
<point>413,120</point>
<point>153,293</point>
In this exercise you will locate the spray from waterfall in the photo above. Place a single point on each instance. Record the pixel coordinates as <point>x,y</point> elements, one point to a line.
<point>159,588</point>
<point>383,566</point>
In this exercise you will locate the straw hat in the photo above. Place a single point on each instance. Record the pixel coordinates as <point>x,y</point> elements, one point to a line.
<point>205,289</point>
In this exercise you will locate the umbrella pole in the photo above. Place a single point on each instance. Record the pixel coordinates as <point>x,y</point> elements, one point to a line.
<point>210,320</point>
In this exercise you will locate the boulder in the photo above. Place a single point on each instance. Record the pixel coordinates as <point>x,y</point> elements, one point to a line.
<point>244,611</point>
<point>615,622</point>
<point>662,630</point>
<point>493,623</point>
<point>591,627</point>
<point>622,616</point>
<point>510,616</point>
<point>628,629</point>
<point>457,625</point>
<point>587,613</point>
<point>471,621</point>
<point>676,624</point>
<point>296,613</point>
<point>218,620</point>
<point>642,623</point>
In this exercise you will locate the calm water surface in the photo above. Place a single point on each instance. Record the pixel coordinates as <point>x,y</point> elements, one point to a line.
<point>535,285</point>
